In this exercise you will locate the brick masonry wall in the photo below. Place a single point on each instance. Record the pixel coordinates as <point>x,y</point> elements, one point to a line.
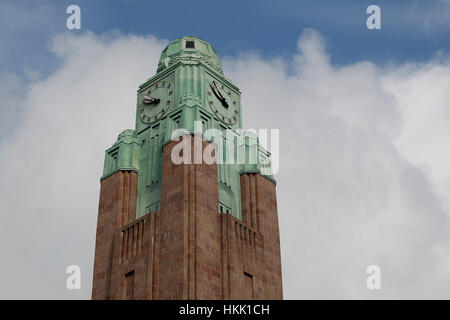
<point>117,207</point>
<point>251,247</point>
<point>268,217</point>
<point>189,250</point>
<point>189,244</point>
<point>136,252</point>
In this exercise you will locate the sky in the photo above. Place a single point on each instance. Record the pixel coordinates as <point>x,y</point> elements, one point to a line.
<point>363,118</point>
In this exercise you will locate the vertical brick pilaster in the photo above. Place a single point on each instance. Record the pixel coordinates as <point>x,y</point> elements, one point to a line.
<point>189,262</point>
<point>268,217</point>
<point>251,260</point>
<point>117,207</point>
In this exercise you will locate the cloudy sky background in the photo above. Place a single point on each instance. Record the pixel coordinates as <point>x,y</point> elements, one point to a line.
<point>364,176</point>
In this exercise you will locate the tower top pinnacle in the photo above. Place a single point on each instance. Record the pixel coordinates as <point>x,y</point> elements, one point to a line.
<point>189,48</point>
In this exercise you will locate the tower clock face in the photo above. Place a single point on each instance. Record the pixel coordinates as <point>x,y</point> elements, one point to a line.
<point>223,102</point>
<point>155,101</point>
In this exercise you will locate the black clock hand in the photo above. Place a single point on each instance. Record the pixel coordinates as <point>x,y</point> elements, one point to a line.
<point>217,88</point>
<point>220,97</point>
<point>217,94</point>
<point>225,103</point>
<point>150,100</point>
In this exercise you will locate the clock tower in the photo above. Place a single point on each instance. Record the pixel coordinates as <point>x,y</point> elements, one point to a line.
<point>196,228</point>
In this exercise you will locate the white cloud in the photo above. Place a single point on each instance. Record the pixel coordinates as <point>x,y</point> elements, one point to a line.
<point>11,93</point>
<point>349,194</point>
<point>358,184</point>
<point>50,167</point>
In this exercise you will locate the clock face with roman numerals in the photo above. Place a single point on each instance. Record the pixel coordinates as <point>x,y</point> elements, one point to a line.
<point>155,101</point>
<point>223,102</point>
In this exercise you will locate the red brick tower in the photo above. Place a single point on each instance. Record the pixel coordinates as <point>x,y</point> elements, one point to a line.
<point>195,229</point>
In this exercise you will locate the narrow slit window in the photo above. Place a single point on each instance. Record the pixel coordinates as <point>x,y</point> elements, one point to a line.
<point>129,286</point>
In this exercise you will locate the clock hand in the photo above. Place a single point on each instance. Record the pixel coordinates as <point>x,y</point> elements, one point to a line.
<point>225,103</point>
<point>220,97</point>
<point>217,88</point>
<point>216,93</point>
<point>150,100</point>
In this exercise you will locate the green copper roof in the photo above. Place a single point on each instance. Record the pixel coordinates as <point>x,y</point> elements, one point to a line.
<point>189,48</point>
